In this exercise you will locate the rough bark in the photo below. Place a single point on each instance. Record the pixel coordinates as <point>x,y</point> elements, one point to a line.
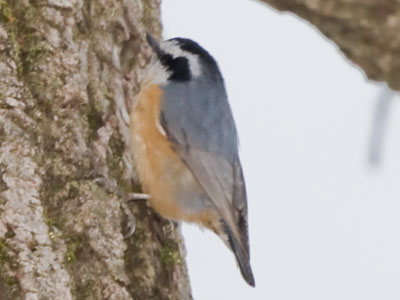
<point>69,70</point>
<point>366,31</point>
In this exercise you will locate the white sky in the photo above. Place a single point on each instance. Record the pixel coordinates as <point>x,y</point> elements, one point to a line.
<point>324,224</point>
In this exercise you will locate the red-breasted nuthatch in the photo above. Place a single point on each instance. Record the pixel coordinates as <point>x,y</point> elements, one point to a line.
<point>186,146</point>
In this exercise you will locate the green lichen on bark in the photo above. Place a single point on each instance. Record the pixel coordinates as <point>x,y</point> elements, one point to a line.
<point>9,289</point>
<point>170,253</point>
<point>74,246</point>
<point>5,12</point>
<point>27,46</point>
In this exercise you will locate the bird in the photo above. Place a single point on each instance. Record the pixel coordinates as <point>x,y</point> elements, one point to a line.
<point>185,145</point>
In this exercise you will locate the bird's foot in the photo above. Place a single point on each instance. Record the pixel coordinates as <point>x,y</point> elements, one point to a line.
<point>131,223</point>
<point>137,197</point>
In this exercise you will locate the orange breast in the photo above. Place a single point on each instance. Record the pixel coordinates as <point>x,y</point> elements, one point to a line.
<point>162,173</point>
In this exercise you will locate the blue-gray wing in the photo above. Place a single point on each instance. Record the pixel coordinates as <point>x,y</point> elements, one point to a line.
<point>198,121</point>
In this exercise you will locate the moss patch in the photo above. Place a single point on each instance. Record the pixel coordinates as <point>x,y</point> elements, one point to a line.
<point>85,290</point>
<point>9,288</point>
<point>3,254</point>
<point>5,13</point>
<point>73,247</point>
<point>28,47</point>
<point>78,259</point>
<point>170,254</point>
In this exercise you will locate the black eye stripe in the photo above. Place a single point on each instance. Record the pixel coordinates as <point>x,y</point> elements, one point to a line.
<point>166,59</point>
<point>179,67</point>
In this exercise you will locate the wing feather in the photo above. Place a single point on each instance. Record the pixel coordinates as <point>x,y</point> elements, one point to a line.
<point>202,131</point>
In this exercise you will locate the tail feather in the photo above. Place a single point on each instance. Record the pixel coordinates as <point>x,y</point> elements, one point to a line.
<point>241,251</point>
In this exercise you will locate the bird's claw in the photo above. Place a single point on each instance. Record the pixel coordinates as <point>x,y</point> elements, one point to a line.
<point>131,223</point>
<point>137,197</point>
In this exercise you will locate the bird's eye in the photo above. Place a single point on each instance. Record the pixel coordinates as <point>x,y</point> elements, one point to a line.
<point>180,69</point>
<point>166,59</point>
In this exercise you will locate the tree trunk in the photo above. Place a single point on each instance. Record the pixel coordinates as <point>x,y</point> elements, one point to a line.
<point>69,70</point>
<point>366,31</point>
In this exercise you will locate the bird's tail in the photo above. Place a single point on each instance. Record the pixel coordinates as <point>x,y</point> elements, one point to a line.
<point>241,250</point>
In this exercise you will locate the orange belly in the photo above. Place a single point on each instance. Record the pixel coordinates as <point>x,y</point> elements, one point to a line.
<point>162,173</point>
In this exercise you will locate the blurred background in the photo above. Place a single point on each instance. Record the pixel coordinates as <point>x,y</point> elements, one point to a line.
<point>320,149</point>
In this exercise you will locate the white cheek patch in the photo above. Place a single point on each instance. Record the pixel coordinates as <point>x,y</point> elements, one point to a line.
<point>171,47</point>
<point>156,73</point>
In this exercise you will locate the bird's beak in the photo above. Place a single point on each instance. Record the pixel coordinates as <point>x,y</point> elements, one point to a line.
<point>153,43</point>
